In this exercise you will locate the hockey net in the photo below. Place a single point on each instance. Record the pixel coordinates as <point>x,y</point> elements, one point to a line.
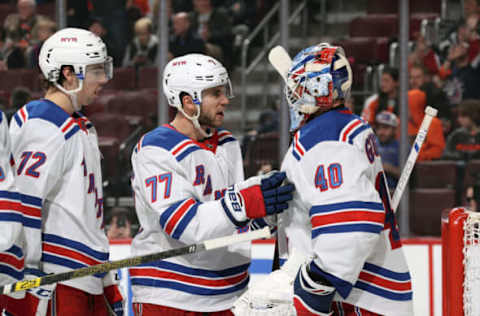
<point>461,263</point>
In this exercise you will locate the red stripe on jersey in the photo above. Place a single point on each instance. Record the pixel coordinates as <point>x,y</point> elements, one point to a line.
<point>67,126</point>
<point>385,283</point>
<point>32,211</point>
<point>154,273</point>
<point>182,146</point>
<point>177,215</point>
<point>300,150</point>
<point>301,308</point>
<point>349,129</point>
<point>351,216</point>
<point>11,260</point>
<point>10,206</point>
<point>22,113</point>
<point>69,253</point>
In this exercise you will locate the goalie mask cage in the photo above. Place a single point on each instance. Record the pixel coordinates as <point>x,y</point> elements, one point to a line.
<point>461,263</point>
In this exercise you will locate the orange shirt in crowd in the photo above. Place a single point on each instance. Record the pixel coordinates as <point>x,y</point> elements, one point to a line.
<point>434,144</point>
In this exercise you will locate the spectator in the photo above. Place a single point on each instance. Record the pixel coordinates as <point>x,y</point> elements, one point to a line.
<point>97,27</point>
<point>41,31</point>
<point>142,50</point>
<point>11,57</point>
<point>434,143</point>
<point>214,26</point>
<point>77,13</point>
<point>19,25</point>
<point>184,40</point>
<point>386,99</point>
<point>19,97</point>
<point>472,197</point>
<point>114,18</point>
<point>119,224</point>
<point>464,142</point>
<point>419,79</point>
<point>386,124</point>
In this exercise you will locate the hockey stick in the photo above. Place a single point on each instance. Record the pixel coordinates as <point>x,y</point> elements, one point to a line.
<point>281,61</point>
<point>135,261</point>
<point>430,113</point>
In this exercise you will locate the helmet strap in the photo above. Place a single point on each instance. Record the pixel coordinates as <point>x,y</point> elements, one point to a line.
<point>194,120</point>
<point>72,94</point>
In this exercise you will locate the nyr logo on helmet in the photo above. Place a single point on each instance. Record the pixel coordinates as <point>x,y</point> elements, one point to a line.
<point>179,63</point>
<point>68,39</point>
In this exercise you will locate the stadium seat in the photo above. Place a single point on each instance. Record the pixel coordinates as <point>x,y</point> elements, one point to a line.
<point>123,79</point>
<point>28,78</point>
<point>435,174</point>
<point>47,9</point>
<point>147,78</point>
<point>382,6</point>
<point>109,147</point>
<point>111,125</point>
<point>362,49</point>
<point>426,206</point>
<point>263,149</point>
<point>472,172</point>
<point>374,25</point>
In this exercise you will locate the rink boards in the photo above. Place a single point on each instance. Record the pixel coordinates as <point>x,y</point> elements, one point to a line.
<point>424,258</point>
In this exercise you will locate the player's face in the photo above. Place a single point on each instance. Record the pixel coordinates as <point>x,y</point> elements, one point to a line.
<point>95,78</point>
<point>214,101</point>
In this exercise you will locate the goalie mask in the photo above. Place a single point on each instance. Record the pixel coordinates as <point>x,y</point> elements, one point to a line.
<point>192,74</point>
<point>319,76</point>
<point>77,48</point>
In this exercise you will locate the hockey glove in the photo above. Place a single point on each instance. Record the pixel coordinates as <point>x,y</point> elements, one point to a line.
<point>312,297</point>
<point>257,197</point>
<point>112,293</point>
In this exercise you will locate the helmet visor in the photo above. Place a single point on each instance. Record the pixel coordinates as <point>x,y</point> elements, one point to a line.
<point>101,71</point>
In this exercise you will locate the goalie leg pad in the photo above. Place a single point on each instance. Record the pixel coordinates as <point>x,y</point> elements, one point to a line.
<point>310,297</point>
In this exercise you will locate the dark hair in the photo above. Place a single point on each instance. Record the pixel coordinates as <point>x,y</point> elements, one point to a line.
<point>470,108</point>
<point>393,72</point>
<point>20,96</point>
<point>46,84</point>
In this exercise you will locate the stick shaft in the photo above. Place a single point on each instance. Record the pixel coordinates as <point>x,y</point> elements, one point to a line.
<point>135,261</point>
<point>430,113</point>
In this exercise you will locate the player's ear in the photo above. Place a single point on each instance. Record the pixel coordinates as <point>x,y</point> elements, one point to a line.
<point>69,78</point>
<point>188,105</point>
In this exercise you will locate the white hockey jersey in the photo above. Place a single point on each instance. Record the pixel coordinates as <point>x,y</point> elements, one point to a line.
<point>177,183</point>
<point>341,213</point>
<point>11,216</point>
<point>58,172</point>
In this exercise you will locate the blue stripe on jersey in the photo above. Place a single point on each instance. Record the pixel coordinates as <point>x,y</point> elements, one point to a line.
<point>187,218</point>
<point>8,270</point>
<point>384,293</point>
<point>347,228</point>
<point>229,272</point>
<point>9,195</point>
<point>189,288</point>
<point>356,132</point>
<point>16,251</point>
<point>187,151</point>
<point>72,132</point>
<point>65,262</point>
<point>32,200</point>
<point>1,116</point>
<point>316,209</point>
<point>326,127</point>
<point>295,155</point>
<point>168,212</point>
<point>163,137</point>
<point>102,256</point>
<point>18,119</point>
<point>11,217</point>
<point>343,287</point>
<point>226,140</point>
<point>399,276</point>
<point>31,222</point>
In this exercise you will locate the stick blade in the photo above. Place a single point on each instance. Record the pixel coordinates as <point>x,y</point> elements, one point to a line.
<point>431,111</point>
<point>280,60</point>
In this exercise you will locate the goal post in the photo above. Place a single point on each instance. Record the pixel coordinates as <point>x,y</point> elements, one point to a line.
<point>461,262</point>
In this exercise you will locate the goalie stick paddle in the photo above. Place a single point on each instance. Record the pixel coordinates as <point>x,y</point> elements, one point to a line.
<point>430,113</point>
<point>135,261</point>
<point>280,60</point>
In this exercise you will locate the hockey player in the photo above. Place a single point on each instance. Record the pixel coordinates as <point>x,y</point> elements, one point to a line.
<point>11,219</point>
<point>58,172</point>
<point>345,253</point>
<point>188,184</point>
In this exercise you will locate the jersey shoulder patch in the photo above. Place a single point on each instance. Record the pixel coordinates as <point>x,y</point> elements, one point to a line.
<point>169,139</point>
<point>47,111</point>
